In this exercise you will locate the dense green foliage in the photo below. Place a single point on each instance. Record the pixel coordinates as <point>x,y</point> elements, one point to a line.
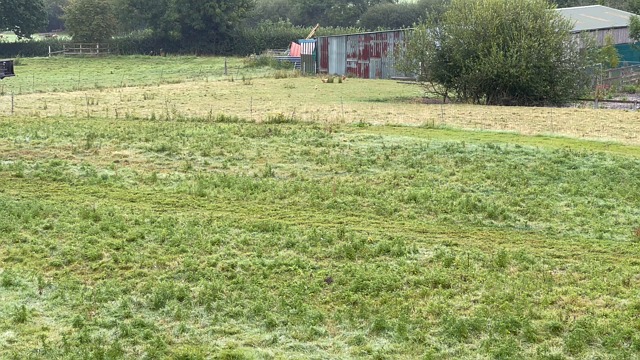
<point>608,53</point>
<point>190,21</point>
<point>55,13</point>
<point>218,238</point>
<point>29,48</point>
<point>388,14</point>
<point>90,20</point>
<point>509,52</point>
<point>634,28</point>
<point>400,15</point>
<point>23,17</point>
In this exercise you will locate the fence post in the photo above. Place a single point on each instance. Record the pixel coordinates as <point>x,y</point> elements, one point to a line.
<point>225,66</point>
<point>49,50</point>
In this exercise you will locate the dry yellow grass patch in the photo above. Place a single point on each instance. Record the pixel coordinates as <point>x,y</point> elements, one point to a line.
<point>355,100</point>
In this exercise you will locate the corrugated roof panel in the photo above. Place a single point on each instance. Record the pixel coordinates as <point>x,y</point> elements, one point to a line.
<point>596,17</point>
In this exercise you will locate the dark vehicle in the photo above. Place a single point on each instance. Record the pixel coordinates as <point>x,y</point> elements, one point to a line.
<point>6,69</point>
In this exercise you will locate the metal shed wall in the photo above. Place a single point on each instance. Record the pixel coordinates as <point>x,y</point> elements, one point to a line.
<point>323,54</point>
<point>308,63</point>
<point>620,35</point>
<point>366,55</point>
<point>337,55</point>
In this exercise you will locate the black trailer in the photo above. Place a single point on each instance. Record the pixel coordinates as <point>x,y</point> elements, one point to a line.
<point>6,69</point>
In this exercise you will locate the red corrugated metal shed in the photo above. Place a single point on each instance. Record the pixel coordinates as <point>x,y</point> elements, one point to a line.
<point>366,55</point>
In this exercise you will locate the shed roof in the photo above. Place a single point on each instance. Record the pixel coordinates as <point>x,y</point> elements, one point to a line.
<point>367,33</point>
<point>595,17</point>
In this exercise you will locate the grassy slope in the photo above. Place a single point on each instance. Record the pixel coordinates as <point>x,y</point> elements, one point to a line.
<point>241,240</point>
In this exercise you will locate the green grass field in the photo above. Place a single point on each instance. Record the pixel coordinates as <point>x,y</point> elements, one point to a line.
<point>197,236</point>
<point>192,88</point>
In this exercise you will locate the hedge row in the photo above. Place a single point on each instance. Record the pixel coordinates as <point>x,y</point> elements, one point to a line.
<point>29,48</point>
<point>244,42</point>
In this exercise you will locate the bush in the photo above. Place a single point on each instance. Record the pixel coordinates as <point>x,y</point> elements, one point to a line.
<point>500,52</point>
<point>30,48</point>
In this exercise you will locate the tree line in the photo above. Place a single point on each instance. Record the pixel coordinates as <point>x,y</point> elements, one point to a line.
<point>199,20</point>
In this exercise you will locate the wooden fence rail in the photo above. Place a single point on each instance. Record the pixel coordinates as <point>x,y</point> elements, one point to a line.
<point>83,49</point>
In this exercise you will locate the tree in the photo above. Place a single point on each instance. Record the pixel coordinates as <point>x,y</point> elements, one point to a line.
<point>390,16</point>
<point>634,28</point>
<point>90,20</point>
<point>191,21</point>
<point>331,12</point>
<point>145,14</point>
<point>55,13</point>
<point>270,10</point>
<point>507,52</point>
<point>208,19</point>
<point>400,15</point>
<point>608,54</point>
<point>23,17</point>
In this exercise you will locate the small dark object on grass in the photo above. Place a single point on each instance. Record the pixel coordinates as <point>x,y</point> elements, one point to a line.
<point>636,232</point>
<point>328,280</point>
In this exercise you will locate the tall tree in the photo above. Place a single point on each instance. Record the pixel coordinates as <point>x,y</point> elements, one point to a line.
<point>207,19</point>
<point>23,17</point>
<point>509,52</point>
<point>55,13</point>
<point>390,16</point>
<point>270,10</point>
<point>90,20</point>
<point>191,21</point>
<point>331,12</point>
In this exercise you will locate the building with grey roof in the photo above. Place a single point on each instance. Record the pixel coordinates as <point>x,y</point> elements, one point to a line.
<point>599,21</point>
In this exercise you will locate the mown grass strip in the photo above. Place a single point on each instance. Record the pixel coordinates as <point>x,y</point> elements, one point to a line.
<point>496,137</point>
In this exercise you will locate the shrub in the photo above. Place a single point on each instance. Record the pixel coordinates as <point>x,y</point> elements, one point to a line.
<point>500,52</point>
<point>30,48</point>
